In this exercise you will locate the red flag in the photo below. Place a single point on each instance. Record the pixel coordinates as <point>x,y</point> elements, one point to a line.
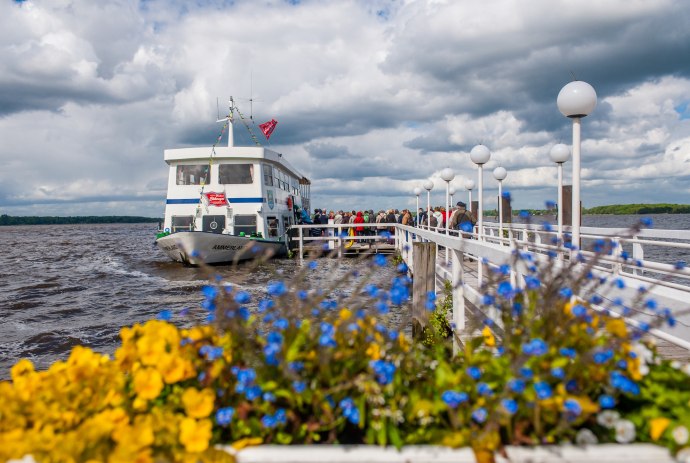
<point>267,128</point>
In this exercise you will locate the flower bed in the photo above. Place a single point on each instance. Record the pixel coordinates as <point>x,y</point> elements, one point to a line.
<point>304,367</point>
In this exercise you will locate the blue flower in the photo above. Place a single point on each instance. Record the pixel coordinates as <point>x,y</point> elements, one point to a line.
<point>402,267</point>
<point>313,264</point>
<point>488,299</point>
<point>269,421</point>
<point>680,265</point>
<point>510,406</point>
<point>265,304</point>
<point>164,315</point>
<point>606,401</point>
<point>480,415</point>
<point>526,373</point>
<point>302,294</point>
<point>547,226</point>
<point>280,416</point>
<point>326,340</point>
<point>535,347</point>
<point>382,307</point>
<point>224,416</point>
<point>567,352</point>
<point>543,390</point>
<point>484,389</point>
<point>243,297</point>
<point>620,284</point>
<point>350,411</point>
<point>516,385</point>
<point>383,370</point>
<point>532,282</point>
<point>467,227</point>
<point>474,372</point>
<point>299,386</point>
<point>565,293</point>
<point>506,195</point>
<point>602,356</point>
<point>276,288</point>
<point>281,324</point>
<point>572,407</point>
<point>454,398</point>
<point>274,337</point>
<point>550,204</point>
<point>380,260</point>
<point>269,397</point>
<point>524,214</point>
<point>505,290</point>
<point>647,222</point>
<point>579,310</point>
<point>253,393</point>
<point>558,372</point>
<point>209,292</point>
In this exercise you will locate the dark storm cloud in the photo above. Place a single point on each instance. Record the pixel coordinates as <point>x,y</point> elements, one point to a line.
<point>327,151</point>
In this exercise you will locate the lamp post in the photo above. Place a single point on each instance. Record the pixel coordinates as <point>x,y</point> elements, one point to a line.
<point>480,155</point>
<point>560,154</point>
<point>428,186</point>
<point>451,192</point>
<point>576,100</point>
<point>417,191</point>
<point>469,186</point>
<point>500,174</point>
<point>448,175</point>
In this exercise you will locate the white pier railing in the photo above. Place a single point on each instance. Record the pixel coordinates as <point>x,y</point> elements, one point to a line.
<point>667,284</point>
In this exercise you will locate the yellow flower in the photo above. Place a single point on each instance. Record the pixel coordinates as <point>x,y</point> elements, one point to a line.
<point>616,327</point>
<point>374,351</point>
<point>21,368</point>
<point>195,435</point>
<point>148,383</point>
<point>345,314</point>
<point>175,369</point>
<point>198,404</point>
<point>657,427</point>
<point>150,349</point>
<point>489,338</point>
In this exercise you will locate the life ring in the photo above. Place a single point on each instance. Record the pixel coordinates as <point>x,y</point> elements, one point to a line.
<point>289,202</point>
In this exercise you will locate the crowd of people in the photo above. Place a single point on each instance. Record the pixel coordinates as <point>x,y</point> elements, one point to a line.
<point>458,218</point>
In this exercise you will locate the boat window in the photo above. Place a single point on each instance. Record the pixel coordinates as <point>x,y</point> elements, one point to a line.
<point>268,175</point>
<point>272,226</point>
<point>245,224</point>
<point>182,223</point>
<point>192,174</point>
<point>233,174</point>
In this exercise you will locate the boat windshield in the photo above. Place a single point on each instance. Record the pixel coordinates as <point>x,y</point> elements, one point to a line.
<point>192,174</point>
<point>233,174</point>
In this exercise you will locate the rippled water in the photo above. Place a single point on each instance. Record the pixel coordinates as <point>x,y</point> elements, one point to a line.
<point>78,284</point>
<point>65,285</point>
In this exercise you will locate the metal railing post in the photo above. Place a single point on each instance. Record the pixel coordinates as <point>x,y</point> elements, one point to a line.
<point>301,246</point>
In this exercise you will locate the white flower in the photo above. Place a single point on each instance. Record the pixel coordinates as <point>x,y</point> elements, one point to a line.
<point>683,455</point>
<point>680,435</point>
<point>608,418</point>
<point>586,437</point>
<point>675,364</point>
<point>644,369</point>
<point>625,431</point>
<point>645,355</point>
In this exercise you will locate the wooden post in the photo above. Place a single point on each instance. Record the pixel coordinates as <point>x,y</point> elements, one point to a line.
<point>424,281</point>
<point>458,297</point>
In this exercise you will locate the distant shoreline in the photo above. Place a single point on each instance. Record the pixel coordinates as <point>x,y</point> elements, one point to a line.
<point>615,209</point>
<point>53,220</point>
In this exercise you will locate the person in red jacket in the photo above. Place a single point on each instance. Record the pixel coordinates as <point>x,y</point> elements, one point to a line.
<point>359,231</point>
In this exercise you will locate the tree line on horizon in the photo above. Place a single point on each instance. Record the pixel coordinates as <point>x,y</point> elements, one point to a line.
<point>54,220</point>
<point>614,209</point>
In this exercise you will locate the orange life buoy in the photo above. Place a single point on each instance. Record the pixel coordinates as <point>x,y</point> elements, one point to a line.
<point>289,202</point>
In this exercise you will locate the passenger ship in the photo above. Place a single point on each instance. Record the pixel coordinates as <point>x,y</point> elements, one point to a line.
<point>226,204</point>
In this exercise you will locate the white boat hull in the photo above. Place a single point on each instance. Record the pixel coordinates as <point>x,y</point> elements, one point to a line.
<point>214,248</point>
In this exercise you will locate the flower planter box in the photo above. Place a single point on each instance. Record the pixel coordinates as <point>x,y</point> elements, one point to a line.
<point>610,453</point>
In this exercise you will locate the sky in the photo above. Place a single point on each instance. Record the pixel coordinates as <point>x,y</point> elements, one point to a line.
<point>372,97</point>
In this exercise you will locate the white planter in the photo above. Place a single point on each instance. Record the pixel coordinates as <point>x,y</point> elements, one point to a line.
<point>609,453</point>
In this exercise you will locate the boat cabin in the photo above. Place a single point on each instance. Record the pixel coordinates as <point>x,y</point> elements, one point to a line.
<point>247,191</point>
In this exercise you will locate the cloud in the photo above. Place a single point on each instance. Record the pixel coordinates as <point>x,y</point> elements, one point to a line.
<point>371,97</point>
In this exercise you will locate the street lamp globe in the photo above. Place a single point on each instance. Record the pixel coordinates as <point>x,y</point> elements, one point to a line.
<point>447,174</point>
<point>480,154</point>
<point>560,153</point>
<point>500,173</point>
<point>417,191</point>
<point>451,190</point>
<point>428,185</point>
<point>577,99</point>
<point>469,185</point>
